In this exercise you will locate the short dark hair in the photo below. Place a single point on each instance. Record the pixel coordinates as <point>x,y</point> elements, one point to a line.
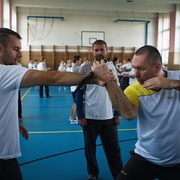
<point>76,58</point>
<point>99,41</point>
<point>4,36</point>
<point>153,54</point>
<point>115,59</point>
<point>42,59</point>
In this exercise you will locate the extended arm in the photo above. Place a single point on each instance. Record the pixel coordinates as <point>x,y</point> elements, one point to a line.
<point>35,78</point>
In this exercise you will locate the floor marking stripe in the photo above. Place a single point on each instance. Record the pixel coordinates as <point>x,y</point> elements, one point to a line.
<point>25,93</point>
<point>75,131</point>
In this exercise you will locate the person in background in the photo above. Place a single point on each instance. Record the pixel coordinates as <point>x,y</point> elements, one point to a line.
<point>31,64</point>
<point>131,76</point>
<point>13,78</point>
<point>155,99</point>
<point>36,62</point>
<point>19,106</point>
<point>75,68</point>
<point>62,68</point>
<point>19,98</point>
<point>126,67</point>
<point>85,60</point>
<point>42,67</point>
<point>69,65</point>
<point>98,118</point>
<point>111,66</point>
<point>118,65</point>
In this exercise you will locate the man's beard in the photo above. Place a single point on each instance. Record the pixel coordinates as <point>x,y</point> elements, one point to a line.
<point>99,58</point>
<point>7,60</point>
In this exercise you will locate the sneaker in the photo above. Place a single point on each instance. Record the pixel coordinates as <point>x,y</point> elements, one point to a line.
<point>71,119</point>
<point>74,122</point>
<point>91,177</point>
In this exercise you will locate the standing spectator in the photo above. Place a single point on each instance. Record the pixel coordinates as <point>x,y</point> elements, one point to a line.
<point>131,75</point>
<point>85,60</point>
<point>62,68</point>
<point>75,68</point>
<point>20,106</point>
<point>126,67</point>
<point>98,119</point>
<point>36,62</point>
<point>155,99</point>
<point>42,67</point>
<point>118,65</point>
<point>19,98</point>
<point>69,65</point>
<point>31,64</point>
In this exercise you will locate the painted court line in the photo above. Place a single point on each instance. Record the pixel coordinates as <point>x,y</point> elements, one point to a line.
<point>76,131</point>
<point>25,93</point>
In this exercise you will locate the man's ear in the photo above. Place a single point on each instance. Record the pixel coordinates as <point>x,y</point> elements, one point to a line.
<point>158,67</point>
<point>106,51</point>
<point>0,46</point>
<point>1,50</point>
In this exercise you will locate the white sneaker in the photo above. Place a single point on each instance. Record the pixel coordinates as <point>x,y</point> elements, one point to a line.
<point>74,122</point>
<point>70,119</point>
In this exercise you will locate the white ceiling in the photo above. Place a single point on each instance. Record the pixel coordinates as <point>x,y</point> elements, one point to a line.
<point>96,7</point>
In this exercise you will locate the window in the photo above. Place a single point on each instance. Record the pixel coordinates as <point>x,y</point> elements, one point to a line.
<point>6,14</point>
<point>163,37</point>
<point>177,37</point>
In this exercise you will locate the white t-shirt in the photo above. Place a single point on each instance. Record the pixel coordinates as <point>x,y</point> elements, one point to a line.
<point>41,66</point>
<point>10,79</point>
<point>158,122</point>
<point>97,102</point>
<point>31,66</point>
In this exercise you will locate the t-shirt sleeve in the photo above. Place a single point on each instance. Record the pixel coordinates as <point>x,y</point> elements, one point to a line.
<point>132,95</point>
<point>11,76</point>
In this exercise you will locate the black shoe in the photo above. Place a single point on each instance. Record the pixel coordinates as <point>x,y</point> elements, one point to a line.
<point>49,96</point>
